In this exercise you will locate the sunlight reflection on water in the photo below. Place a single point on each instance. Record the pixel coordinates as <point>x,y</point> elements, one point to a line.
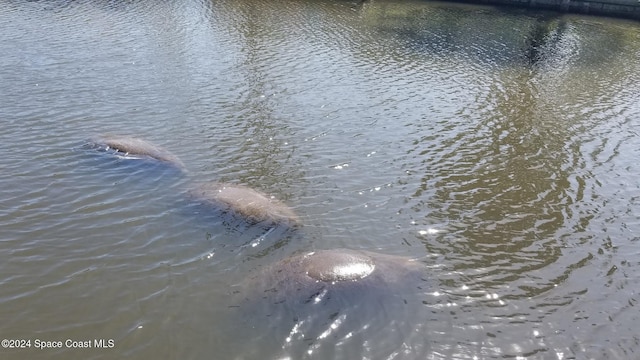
<point>494,147</point>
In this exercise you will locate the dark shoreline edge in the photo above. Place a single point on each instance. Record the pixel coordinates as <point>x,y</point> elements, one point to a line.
<point>629,9</point>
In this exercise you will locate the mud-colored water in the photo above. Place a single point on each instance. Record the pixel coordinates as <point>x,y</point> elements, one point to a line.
<point>496,147</point>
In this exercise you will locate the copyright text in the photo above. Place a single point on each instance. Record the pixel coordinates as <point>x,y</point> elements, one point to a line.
<point>58,344</point>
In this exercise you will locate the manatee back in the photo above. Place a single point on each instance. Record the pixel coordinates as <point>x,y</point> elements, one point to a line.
<point>136,147</point>
<point>344,272</point>
<point>252,205</point>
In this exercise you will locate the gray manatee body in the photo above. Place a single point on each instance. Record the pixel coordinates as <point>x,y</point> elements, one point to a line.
<point>320,303</point>
<point>337,270</point>
<point>252,205</point>
<point>134,147</point>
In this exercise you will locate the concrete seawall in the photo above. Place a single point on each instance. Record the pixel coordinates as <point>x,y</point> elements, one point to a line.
<point>618,8</point>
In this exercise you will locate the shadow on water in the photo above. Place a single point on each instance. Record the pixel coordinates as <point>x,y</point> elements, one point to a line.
<point>505,180</point>
<point>509,37</point>
<point>450,31</point>
<point>546,34</point>
<point>491,181</point>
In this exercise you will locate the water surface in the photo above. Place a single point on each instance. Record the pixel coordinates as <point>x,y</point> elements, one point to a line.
<point>497,147</point>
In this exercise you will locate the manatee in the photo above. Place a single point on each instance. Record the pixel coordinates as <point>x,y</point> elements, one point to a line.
<point>335,270</point>
<point>133,147</point>
<point>252,205</point>
<point>329,302</point>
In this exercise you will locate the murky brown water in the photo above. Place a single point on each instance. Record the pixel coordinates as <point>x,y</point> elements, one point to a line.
<point>498,147</point>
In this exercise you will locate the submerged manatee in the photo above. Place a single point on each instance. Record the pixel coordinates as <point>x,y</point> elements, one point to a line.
<point>133,147</point>
<point>331,304</point>
<point>337,269</point>
<point>250,204</point>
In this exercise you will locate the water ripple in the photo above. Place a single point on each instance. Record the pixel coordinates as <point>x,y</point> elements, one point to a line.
<point>502,158</point>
